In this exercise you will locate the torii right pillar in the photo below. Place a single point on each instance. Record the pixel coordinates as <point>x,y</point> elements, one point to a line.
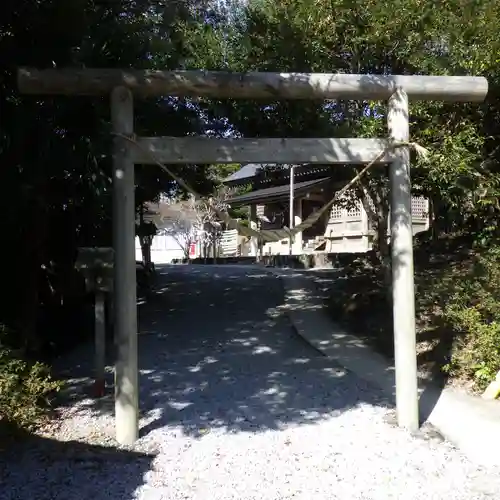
<point>403,289</point>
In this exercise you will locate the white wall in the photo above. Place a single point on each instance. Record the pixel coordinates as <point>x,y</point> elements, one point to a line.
<point>163,250</point>
<point>229,243</point>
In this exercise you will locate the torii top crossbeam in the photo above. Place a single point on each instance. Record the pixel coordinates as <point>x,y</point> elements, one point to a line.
<point>254,85</point>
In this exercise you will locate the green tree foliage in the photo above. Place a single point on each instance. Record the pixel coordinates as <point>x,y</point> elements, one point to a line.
<point>406,37</point>
<point>55,153</point>
<point>461,178</point>
<point>55,185</point>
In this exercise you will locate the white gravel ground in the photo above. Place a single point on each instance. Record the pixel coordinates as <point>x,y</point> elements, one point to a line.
<point>235,406</point>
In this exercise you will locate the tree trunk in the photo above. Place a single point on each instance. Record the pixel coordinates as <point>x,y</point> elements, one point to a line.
<point>145,250</point>
<point>383,249</point>
<point>378,217</point>
<point>434,221</point>
<point>203,251</point>
<point>381,245</point>
<point>145,241</point>
<point>35,250</point>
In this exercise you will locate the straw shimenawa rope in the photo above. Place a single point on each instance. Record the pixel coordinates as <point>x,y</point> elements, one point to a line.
<point>277,234</point>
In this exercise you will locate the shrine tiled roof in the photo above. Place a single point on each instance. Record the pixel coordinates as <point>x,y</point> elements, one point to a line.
<point>277,193</point>
<point>248,173</point>
<point>245,173</point>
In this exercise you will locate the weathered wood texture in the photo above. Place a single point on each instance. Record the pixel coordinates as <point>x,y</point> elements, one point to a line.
<point>253,85</point>
<point>174,150</point>
<point>403,290</point>
<point>126,370</point>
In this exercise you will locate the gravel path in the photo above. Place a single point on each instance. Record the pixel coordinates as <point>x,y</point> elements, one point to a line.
<point>236,406</point>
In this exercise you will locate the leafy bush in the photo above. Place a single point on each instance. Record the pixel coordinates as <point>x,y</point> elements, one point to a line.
<point>25,389</point>
<point>473,311</point>
<point>457,309</point>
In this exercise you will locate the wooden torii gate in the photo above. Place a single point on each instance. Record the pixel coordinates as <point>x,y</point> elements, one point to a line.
<point>122,84</point>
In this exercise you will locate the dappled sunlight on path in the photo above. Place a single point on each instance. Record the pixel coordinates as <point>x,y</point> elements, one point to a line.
<point>235,404</point>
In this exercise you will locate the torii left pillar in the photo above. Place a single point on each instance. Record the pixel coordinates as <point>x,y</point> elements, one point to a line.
<point>125,306</point>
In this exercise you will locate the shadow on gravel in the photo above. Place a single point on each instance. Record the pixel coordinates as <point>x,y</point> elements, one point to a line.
<point>33,467</point>
<point>358,304</point>
<point>217,352</point>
